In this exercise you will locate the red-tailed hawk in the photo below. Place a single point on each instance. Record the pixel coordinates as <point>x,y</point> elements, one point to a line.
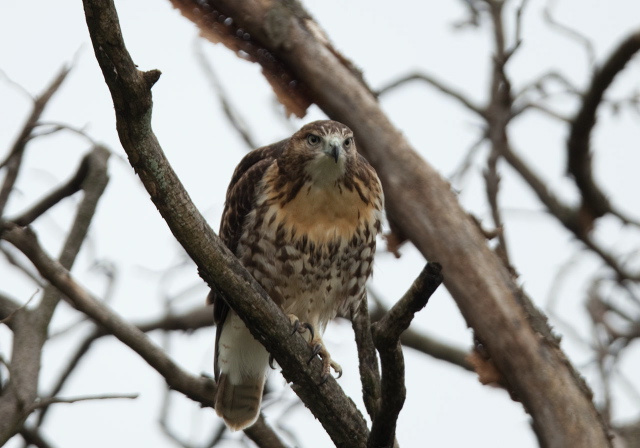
<point>302,216</point>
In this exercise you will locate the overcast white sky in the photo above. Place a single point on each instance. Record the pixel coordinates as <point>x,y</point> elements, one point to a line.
<point>445,406</point>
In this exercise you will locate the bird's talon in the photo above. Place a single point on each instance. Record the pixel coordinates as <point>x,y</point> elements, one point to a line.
<point>271,362</point>
<point>301,327</point>
<point>315,352</point>
<point>309,327</point>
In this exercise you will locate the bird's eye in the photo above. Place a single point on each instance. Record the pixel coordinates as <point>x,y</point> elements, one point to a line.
<point>348,142</point>
<point>313,139</point>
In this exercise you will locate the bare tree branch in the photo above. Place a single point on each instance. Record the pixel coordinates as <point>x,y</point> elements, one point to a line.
<point>30,327</point>
<point>230,112</point>
<point>55,400</point>
<point>13,160</point>
<point>8,307</point>
<point>69,188</point>
<point>571,33</point>
<point>425,344</point>
<point>198,388</point>
<point>368,360</point>
<point>386,336</point>
<point>33,437</point>
<point>449,91</point>
<point>594,202</point>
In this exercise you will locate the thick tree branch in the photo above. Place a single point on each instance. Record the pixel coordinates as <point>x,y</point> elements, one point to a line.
<point>386,336</point>
<point>130,90</point>
<point>422,204</point>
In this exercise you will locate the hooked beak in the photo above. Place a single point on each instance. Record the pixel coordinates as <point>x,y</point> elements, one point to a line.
<point>332,148</point>
<point>334,151</point>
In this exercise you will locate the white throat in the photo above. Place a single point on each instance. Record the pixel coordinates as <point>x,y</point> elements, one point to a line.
<point>325,171</point>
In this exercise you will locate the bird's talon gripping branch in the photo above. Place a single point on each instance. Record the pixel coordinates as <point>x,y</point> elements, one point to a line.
<point>318,349</point>
<point>271,362</point>
<point>300,327</point>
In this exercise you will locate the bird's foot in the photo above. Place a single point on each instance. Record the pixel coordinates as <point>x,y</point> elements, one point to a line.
<point>318,349</point>
<point>300,327</point>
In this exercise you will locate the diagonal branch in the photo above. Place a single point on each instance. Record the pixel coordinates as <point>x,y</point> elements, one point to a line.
<point>229,110</point>
<point>130,90</point>
<point>195,319</point>
<point>72,186</point>
<point>199,389</point>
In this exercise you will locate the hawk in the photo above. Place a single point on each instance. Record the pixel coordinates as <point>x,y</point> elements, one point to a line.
<point>302,216</point>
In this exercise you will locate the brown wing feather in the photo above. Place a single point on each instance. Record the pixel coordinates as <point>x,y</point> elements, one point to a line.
<point>240,200</point>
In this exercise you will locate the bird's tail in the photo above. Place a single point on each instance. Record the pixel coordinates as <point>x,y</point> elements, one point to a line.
<point>243,365</point>
<point>239,404</point>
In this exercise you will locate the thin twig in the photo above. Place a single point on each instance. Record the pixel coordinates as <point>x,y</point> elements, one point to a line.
<point>230,112</point>
<point>449,91</point>
<point>7,320</point>
<point>54,127</point>
<point>55,400</point>
<point>72,186</point>
<point>13,160</point>
<point>574,35</point>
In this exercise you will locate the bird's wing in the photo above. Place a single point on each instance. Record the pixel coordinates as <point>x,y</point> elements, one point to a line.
<point>240,200</point>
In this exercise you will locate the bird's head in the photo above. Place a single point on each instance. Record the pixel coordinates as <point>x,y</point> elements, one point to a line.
<point>325,149</point>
